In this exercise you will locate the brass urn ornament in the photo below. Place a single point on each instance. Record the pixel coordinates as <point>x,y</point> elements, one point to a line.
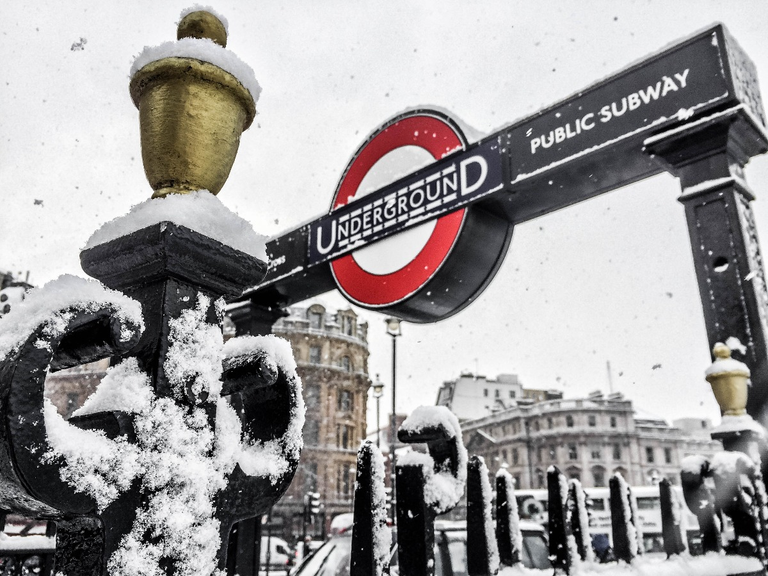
<point>195,98</point>
<point>729,379</point>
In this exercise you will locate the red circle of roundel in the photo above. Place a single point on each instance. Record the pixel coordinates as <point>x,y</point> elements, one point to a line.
<point>437,137</point>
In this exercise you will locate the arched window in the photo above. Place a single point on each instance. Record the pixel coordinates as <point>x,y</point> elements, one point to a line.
<point>598,477</point>
<point>346,364</point>
<point>569,421</point>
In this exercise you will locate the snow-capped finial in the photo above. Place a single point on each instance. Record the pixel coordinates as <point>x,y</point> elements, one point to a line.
<point>195,98</point>
<point>721,351</point>
<point>729,380</point>
<point>202,24</point>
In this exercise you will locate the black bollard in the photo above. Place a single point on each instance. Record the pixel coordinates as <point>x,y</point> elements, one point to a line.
<point>421,496</point>
<point>701,501</point>
<point>579,521</point>
<point>482,555</point>
<point>370,535</point>
<point>415,524</point>
<point>670,520</point>
<point>624,535</point>
<point>509,539</point>
<point>557,489</point>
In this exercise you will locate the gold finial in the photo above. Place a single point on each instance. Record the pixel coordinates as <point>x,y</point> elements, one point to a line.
<point>721,351</point>
<point>191,111</point>
<point>202,24</point>
<point>729,380</point>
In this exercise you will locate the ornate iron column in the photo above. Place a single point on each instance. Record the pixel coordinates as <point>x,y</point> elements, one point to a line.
<point>708,156</point>
<point>194,435</point>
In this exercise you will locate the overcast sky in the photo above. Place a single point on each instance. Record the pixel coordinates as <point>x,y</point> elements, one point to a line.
<point>608,280</point>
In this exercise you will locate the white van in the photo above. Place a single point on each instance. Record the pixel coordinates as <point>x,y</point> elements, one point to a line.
<point>276,556</point>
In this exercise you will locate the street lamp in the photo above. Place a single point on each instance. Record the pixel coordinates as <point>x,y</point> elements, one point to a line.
<point>393,329</point>
<point>378,392</point>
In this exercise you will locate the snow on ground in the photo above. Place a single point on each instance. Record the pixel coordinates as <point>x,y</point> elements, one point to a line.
<point>712,564</point>
<point>200,211</point>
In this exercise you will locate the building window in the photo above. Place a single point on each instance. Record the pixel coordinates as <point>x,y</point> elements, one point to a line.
<point>541,479</point>
<point>613,421</point>
<point>345,401</point>
<point>485,392</point>
<point>668,455</point>
<point>539,451</point>
<point>592,420</point>
<point>536,425</point>
<point>596,453</point>
<point>345,364</point>
<point>504,455</point>
<point>549,423</point>
<point>553,453</point>
<point>343,483</point>
<point>569,421</point>
<point>649,454</point>
<point>517,481</point>
<point>617,451</point>
<point>315,320</point>
<point>343,439</point>
<point>511,393</point>
<point>347,325</point>
<point>311,432</point>
<point>314,354</point>
<point>598,477</point>
<point>573,453</point>
<point>515,456</point>
<point>497,393</point>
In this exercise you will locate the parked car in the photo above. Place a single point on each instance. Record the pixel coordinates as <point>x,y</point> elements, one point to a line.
<point>276,554</point>
<point>332,559</point>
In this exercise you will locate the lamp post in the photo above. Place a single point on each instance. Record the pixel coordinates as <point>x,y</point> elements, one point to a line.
<point>378,392</point>
<point>393,329</point>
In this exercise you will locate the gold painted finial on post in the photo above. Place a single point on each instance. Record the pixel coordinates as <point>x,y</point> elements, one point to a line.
<point>729,379</point>
<point>191,113</point>
<point>202,24</point>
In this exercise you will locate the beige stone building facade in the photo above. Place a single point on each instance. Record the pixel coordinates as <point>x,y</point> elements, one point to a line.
<point>589,439</point>
<point>331,350</point>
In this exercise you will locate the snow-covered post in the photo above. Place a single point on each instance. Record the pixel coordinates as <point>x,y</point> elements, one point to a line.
<point>559,532</point>
<point>508,536</point>
<point>482,554</point>
<point>736,496</point>
<point>701,501</point>
<point>670,520</point>
<point>371,538</point>
<point>427,484</point>
<point>579,520</point>
<point>625,542</point>
<point>185,435</point>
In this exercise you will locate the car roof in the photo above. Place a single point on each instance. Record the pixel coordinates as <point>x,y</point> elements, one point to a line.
<point>449,525</point>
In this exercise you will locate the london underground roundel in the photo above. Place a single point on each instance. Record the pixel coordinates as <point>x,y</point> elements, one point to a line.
<point>432,270</point>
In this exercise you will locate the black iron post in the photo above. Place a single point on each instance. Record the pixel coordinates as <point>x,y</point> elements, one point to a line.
<point>366,556</point>
<point>482,555</point>
<point>507,518</point>
<point>625,543</point>
<point>393,329</point>
<point>557,490</point>
<point>670,528</point>
<point>709,157</point>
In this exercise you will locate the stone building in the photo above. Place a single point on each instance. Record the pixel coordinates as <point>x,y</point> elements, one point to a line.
<point>589,439</point>
<point>331,350</point>
<point>473,396</point>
